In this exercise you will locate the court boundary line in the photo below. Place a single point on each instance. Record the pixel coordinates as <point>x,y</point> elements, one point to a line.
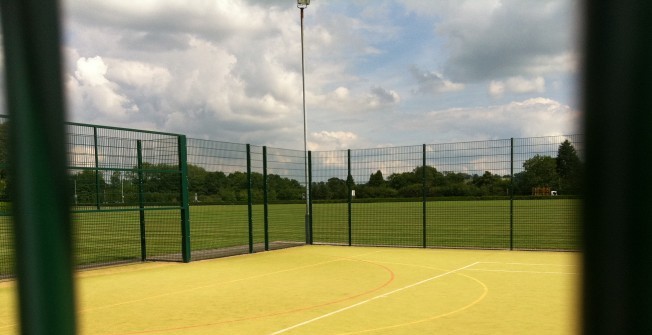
<point>384,295</point>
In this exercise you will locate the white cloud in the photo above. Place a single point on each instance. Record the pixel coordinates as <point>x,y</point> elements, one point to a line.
<point>231,70</point>
<point>519,84</point>
<point>95,97</point>
<point>527,118</point>
<point>331,140</point>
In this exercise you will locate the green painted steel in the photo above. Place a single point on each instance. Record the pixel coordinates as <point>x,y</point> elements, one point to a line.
<point>511,193</point>
<point>424,202</point>
<point>184,199</point>
<point>265,200</point>
<point>250,220</point>
<point>349,187</point>
<point>141,202</point>
<point>309,188</point>
<point>97,171</point>
<point>31,37</point>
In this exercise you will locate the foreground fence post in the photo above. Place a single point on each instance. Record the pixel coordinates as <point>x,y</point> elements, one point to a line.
<point>185,199</point>
<point>40,192</point>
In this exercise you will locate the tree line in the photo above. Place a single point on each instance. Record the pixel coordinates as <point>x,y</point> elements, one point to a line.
<point>160,183</point>
<point>562,174</point>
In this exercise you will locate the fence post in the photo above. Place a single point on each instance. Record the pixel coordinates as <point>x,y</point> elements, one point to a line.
<point>185,199</point>
<point>97,170</point>
<point>249,202</point>
<point>141,201</point>
<point>42,223</point>
<point>511,195</point>
<point>425,194</point>
<point>265,200</point>
<point>349,185</point>
<point>309,223</point>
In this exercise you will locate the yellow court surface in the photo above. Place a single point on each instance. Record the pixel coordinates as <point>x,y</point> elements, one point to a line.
<point>330,290</point>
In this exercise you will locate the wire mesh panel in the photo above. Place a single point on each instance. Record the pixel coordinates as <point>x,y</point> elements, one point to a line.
<point>217,178</point>
<point>378,217</point>
<point>468,185</point>
<point>106,237</point>
<point>330,195</point>
<point>126,194</point>
<point>547,187</point>
<point>286,197</point>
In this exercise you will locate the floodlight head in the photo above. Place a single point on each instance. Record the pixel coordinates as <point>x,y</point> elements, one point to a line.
<point>303,3</point>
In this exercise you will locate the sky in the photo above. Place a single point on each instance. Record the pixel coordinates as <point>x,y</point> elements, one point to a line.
<point>377,73</point>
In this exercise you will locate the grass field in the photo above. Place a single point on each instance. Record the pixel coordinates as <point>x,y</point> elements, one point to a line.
<point>329,290</point>
<point>114,236</point>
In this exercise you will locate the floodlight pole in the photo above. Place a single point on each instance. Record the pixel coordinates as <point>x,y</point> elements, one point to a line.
<point>302,4</point>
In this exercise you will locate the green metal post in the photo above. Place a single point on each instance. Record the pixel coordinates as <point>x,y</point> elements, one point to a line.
<point>97,170</point>
<point>265,200</point>
<point>309,232</point>
<point>186,251</point>
<point>349,185</point>
<point>249,202</point>
<point>511,195</point>
<point>425,194</point>
<point>40,193</point>
<point>141,201</point>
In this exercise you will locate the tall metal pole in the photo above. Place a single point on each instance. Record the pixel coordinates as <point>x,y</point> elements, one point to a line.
<point>305,134</point>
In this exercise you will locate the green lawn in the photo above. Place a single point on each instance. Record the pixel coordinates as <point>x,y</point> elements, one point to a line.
<point>113,236</point>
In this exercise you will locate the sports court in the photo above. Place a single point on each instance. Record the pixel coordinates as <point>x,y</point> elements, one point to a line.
<point>316,289</point>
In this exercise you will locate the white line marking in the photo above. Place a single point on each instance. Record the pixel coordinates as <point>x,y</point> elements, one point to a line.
<point>517,271</point>
<point>534,264</point>
<point>384,295</point>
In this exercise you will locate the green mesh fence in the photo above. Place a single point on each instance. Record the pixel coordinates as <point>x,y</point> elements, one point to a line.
<point>286,205</point>
<point>218,187</point>
<point>127,194</point>
<point>542,220</point>
<point>469,187</point>
<point>244,198</point>
<point>330,193</point>
<point>376,219</point>
<point>506,194</point>
<point>130,203</point>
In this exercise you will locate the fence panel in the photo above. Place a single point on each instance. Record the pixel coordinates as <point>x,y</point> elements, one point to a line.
<point>469,188</point>
<point>377,218</point>
<point>330,195</point>
<point>286,197</point>
<point>121,178</point>
<point>217,178</point>
<point>547,205</point>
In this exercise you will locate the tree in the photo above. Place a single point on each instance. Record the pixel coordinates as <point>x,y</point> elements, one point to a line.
<point>376,179</point>
<point>539,171</point>
<point>87,187</point>
<point>569,169</point>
